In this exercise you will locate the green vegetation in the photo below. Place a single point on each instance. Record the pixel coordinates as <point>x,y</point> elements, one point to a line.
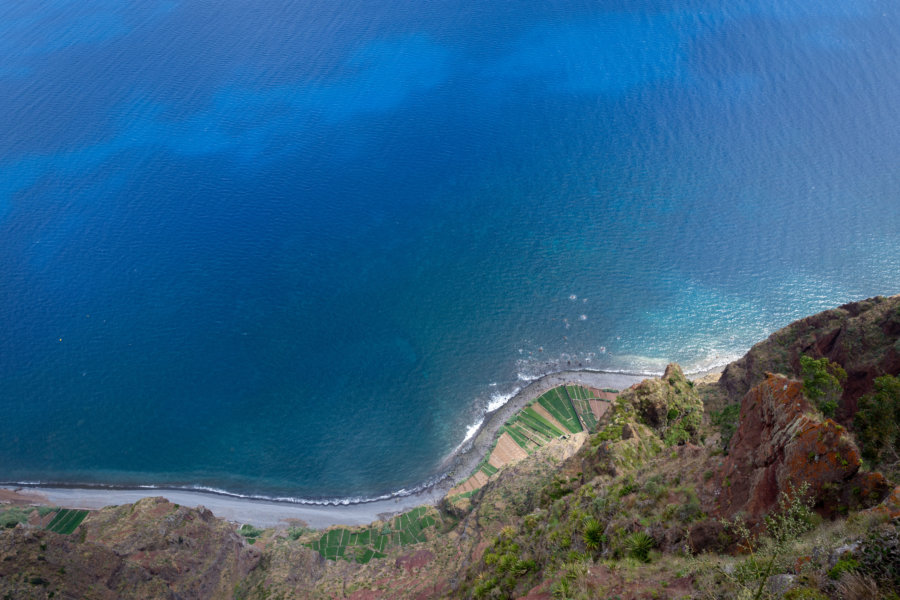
<point>14,515</point>
<point>295,533</point>
<point>580,398</point>
<point>504,556</point>
<point>66,521</point>
<point>557,403</point>
<point>767,554</point>
<point>250,532</point>
<point>593,535</point>
<point>372,542</point>
<point>877,422</point>
<point>569,405</point>
<point>539,423</point>
<point>822,381</point>
<point>639,545</point>
<point>879,556</point>
<point>844,565</point>
<point>726,421</point>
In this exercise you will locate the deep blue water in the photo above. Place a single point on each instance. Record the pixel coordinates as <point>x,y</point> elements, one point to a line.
<point>293,248</point>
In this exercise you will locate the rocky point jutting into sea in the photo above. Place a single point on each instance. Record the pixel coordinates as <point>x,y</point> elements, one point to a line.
<point>655,491</point>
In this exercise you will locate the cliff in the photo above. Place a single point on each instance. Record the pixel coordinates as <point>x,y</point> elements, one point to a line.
<point>863,337</point>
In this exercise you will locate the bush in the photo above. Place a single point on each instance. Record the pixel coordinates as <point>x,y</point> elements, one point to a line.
<point>804,593</point>
<point>593,535</point>
<point>638,546</point>
<point>250,532</point>
<point>844,565</point>
<point>12,516</point>
<point>877,421</point>
<point>792,519</point>
<point>296,533</point>
<point>879,556</point>
<point>822,380</point>
<point>690,511</point>
<point>726,420</point>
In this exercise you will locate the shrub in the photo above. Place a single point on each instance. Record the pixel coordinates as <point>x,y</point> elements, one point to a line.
<point>250,532</point>
<point>879,556</point>
<point>296,532</point>
<point>14,515</point>
<point>822,381</point>
<point>726,420</point>
<point>593,535</point>
<point>804,593</point>
<point>691,510</point>
<point>793,517</point>
<point>844,565</point>
<point>877,421</point>
<point>638,546</point>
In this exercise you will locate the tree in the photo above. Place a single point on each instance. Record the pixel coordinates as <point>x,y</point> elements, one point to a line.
<point>822,381</point>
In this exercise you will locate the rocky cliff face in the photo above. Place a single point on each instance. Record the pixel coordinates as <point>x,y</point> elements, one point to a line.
<point>863,337</point>
<point>782,441</point>
<point>151,549</point>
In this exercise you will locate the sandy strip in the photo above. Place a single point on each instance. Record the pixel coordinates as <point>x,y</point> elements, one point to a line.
<point>274,514</point>
<point>240,510</point>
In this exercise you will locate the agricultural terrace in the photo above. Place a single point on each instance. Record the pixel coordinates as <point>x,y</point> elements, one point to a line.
<point>66,521</point>
<point>362,545</point>
<point>557,412</point>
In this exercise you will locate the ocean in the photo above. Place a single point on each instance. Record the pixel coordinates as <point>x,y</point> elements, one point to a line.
<point>298,249</point>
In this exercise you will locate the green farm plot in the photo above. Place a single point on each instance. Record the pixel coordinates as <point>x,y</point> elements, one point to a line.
<point>66,521</point>
<point>579,397</point>
<point>517,436</point>
<point>487,468</point>
<point>561,408</point>
<point>576,392</point>
<point>373,542</point>
<point>539,423</point>
<point>520,431</point>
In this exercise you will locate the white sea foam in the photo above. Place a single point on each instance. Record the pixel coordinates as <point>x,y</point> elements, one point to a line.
<point>498,399</point>
<point>472,429</point>
<point>711,363</point>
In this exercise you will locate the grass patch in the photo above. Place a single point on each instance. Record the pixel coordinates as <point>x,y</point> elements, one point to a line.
<point>14,515</point>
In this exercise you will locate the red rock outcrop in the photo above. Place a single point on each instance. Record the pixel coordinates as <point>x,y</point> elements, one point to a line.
<point>782,442</point>
<point>890,506</point>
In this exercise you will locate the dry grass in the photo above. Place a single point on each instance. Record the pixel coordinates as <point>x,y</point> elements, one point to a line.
<point>854,586</point>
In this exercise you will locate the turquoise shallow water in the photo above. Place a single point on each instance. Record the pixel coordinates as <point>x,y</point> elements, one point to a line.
<point>298,249</point>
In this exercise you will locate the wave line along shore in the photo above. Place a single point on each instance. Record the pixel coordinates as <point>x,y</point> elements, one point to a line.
<point>264,512</point>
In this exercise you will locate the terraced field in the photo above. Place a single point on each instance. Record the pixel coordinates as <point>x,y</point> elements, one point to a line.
<point>66,521</point>
<point>362,545</point>
<point>557,412</point>
<point>581,397</point>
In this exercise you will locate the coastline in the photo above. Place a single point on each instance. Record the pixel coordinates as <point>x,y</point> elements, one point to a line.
<point>270,513</point>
